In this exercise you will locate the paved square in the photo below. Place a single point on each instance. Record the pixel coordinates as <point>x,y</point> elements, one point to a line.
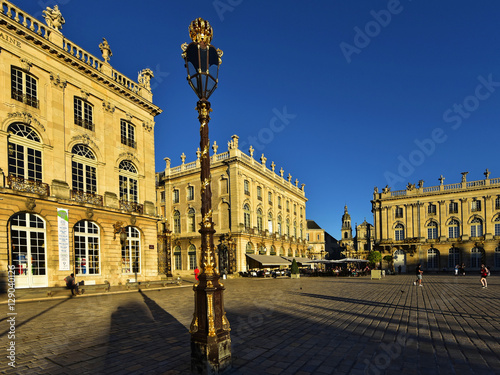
<point>279,326</point>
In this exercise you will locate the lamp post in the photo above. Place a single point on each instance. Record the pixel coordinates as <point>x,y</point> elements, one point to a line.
<point>210,338</point>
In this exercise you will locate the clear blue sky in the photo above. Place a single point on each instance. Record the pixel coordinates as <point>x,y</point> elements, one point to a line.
<point>374,92</point>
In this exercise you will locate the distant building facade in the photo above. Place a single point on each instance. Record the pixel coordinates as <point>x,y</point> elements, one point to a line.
<point>321,245</point>
<point>77,183</point>
<point>440,226</point>
<point>255,210</point>
<point>361,244</point>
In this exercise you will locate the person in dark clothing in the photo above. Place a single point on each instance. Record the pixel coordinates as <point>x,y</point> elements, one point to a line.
<point>419,273</point>
<point>72,284</point>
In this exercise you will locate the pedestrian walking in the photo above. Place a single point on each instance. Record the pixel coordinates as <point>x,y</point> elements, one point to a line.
<point>456,270</point>
<point>72,284</point>
<point>485,272</point>
<point>463,269</point>
<point>419,273</point>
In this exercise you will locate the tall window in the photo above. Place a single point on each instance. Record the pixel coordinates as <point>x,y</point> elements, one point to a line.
<point>497,226</point>
<point>453,257</point>
<point>270,222</point>
<point>432,230</point>
<point>454,229</point>
<point>295,229</point>
<point>246,216</point>
<point>432,259</point>
<point>259,220</point>
<point>476,227</point>
<point>87,252</point>
<point>177,222</point>
<point>399,212</point>
<point>280,231</point>
<point>83,170</point>
<point>288,227</point>
<point>246,187</point>
<point>83,114</point>
<point>476,206</point>
<point>190,193</point>
<point>453,209</point>
<point>301,232</point>
<point>431,209</point>
<point>287,206</point>
<point>497,257</point>
<point>177,258</point>
<point>475,257</point>
<point>28,245</point>
<point>497,203</point>
<point>127,133</point>
<point>192,257</point>
<point>23,87</point>
<point>399,232</point>
<point>270,198</point>
<point>191,220</point>
<point>128,181</point>
<point>131,251</point>
<point>279,202</point>
<point>24,152</point>
<point>176,196</point>
<point>259,193</point>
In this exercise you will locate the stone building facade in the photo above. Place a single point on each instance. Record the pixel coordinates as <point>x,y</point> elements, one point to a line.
<point>77,180</point>
<point>440,226</point>
<point>255,210</point>
<point>359,245</point>
<point>321,245</point>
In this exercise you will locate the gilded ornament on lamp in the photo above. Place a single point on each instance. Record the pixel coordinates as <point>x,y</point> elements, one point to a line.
<point>225,323</point>
<point>194,324</point>
<point>205,152</point>
<point>200,31</point>
<point>211,321</point>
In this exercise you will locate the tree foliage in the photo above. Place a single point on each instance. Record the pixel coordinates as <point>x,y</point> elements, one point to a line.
<point>374,257</point>
<point>295,267</point>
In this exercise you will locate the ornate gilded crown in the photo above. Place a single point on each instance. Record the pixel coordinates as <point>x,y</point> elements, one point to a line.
<point>200,31</point>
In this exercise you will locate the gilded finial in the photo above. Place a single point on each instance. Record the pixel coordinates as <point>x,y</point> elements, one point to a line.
<point>200,31</point>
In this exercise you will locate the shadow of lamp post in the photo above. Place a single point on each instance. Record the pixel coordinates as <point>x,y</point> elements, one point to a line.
<point>210,338</point>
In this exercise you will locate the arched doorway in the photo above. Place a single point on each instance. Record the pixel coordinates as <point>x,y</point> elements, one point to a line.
<point>399,259</point>
<point>28,250</point>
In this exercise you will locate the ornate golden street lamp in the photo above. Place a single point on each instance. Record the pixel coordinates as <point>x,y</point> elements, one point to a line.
<point>210,338</point>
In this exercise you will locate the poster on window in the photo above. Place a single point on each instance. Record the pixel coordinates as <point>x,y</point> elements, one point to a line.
<point>63,236</point>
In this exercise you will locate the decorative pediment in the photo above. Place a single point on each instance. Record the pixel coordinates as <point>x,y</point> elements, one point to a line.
<point>27,118</point>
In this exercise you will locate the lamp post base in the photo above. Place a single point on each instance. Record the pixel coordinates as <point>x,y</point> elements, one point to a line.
<point>212,357</point>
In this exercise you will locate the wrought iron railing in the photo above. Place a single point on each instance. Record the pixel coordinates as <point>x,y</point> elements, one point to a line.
<point>84,197</point>
<point>29,186</point>
<point>132,207</point>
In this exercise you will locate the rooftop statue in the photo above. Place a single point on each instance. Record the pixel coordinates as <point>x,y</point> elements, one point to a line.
<point>54,18</point>
<point>105,50</point>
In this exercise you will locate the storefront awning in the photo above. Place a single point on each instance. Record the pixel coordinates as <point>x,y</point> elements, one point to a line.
<point>266,260</point>
<point>298,260</point>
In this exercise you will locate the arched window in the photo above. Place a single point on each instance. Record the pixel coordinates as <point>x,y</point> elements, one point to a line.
<point>249,248</point>
<point>24,152</point>
<point>399,232</point>
<point>454,229</point>
<point>432,230</point>
<point>192,257</point>
<point>453,257</point>
<point>262,250</point>
<point>432,259</point>
<point>87,249</point>
<point>128,182</point>
<point>83,169</point>
<point>177,222</point>
<point>290,252</point>
<point>270,222</point>
<point>191,220</point>
<point>476,257</point>
<point>273,250</point>
<point>259,220</point>
<point>28,250</point>
<point>177,258</point>
<point>476,227</point>
<point>497,226</point>
<point>246,216</point>
<point>131,251</point>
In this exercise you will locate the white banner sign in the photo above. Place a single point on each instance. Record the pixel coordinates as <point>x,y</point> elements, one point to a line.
<point>63,232</point>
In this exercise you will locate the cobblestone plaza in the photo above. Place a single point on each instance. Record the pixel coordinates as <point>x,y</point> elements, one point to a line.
<point>279,326</point>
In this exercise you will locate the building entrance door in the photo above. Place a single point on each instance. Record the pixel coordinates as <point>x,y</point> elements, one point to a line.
<point>399,260</point>
<point>28,251</point>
